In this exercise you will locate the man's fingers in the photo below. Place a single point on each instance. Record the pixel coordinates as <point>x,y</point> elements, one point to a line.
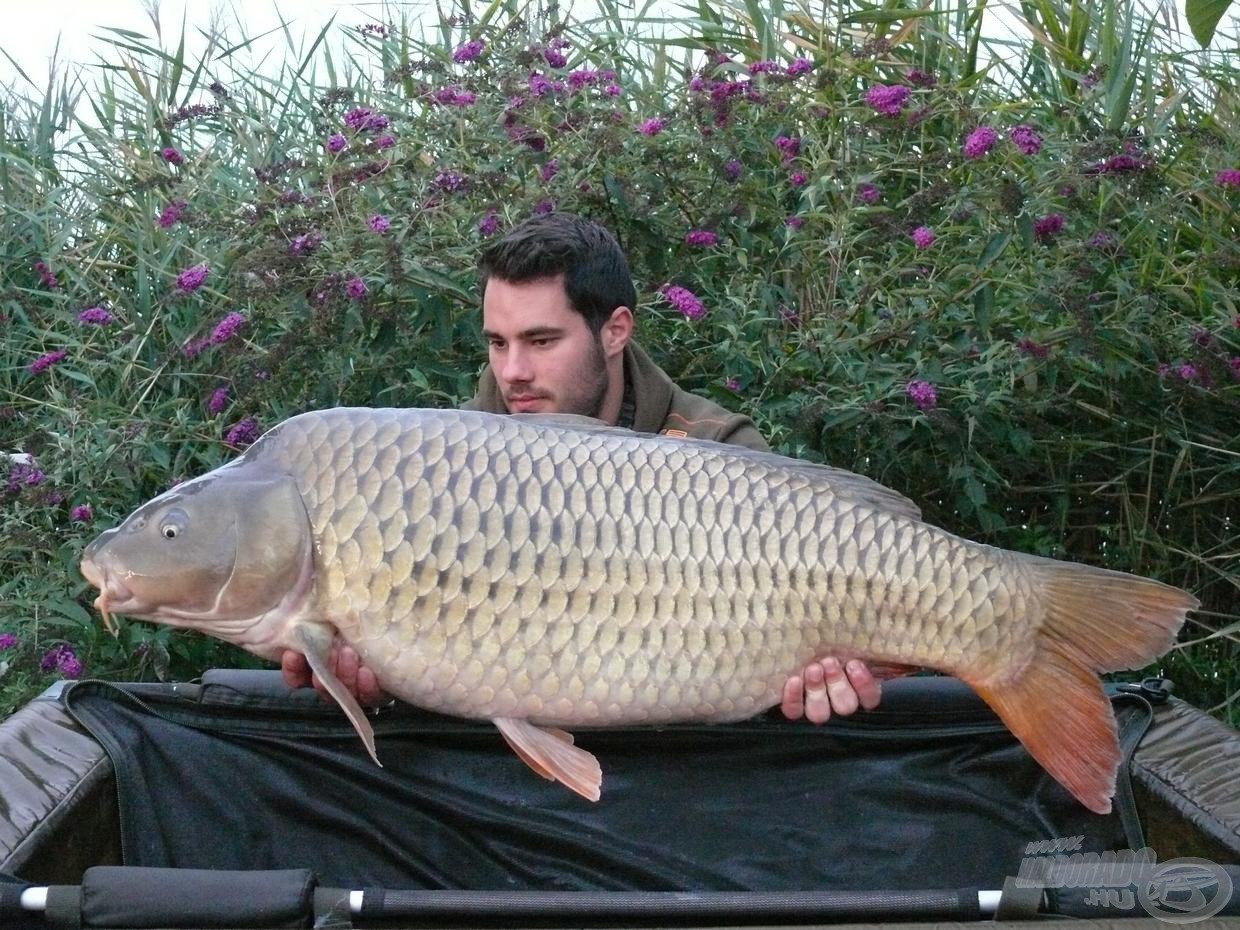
<point>793,703</point>
<point>869,690</point>
<point>295,669</point>
<point>818,703</point>
<point>369,694</point>
<point>841,694</point>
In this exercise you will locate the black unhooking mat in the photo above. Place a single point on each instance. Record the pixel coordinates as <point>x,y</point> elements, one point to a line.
<point>928,791</point>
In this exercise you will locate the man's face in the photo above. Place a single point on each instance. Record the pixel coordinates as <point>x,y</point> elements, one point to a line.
<point>542,353</point>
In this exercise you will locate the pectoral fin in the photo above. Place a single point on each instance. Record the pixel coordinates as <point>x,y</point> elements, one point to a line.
<point>316,645</point>
<point>551,754</point>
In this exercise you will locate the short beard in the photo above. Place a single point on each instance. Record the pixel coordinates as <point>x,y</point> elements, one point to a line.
<point>594,394</point>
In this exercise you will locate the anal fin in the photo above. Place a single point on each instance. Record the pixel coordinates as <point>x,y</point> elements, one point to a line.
<point>551,753</point>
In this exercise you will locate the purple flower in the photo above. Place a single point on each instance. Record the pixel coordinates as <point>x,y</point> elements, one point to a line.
<point>1104,241</point>
<point>1049,226</point>
<point>790,147</point>
<point>540,86</point>
<point>921,78</point>
<point>1029,347</point>
<point>489,224</point>
<point>7,641</point>
<point>82,513</point>
<point>47,360</point>
<point>356,288</point>
<point>96,316</point>
<point>1228,177</point>
<point>336,143</point>
<point>1202,337</point>
<point>555,58</point>
<point>888,99</point>
<point>171,214</point>
<point>652,126</point>
<point>868,193</point>
<point>549,170</point>
<point>765,66</point>
<point>702,237</point>
<point>923,237</point>
<point>25,475</point>
<point>1120,164</point>
<point>195,347</point>
<point>45,274</point>
<point>62,659</point>
<point>613,90</point>
<point>172,156</point>
<point>449,181</point>
<point>1026,139</point>
<point>243,433</point>
<point>583,77</point>
<point>468,52</point>
<point>798,179</point>
<point>385,142</point>
<point>980,141</point>
<point>733,384</point>
<point>379,223</point>
<point>684,300</point>
<point>1234,364</point>
<point>800,66</point>
<point>1187,372</point>
<point>544,206</point>
<point>363,119</point>
<point>226,328</point>
<point>732,170</point>
<point>794,222</point>
<point>192,278</point>
<point>305,243</point>
<point>219,401</point>
<point>923,394</point>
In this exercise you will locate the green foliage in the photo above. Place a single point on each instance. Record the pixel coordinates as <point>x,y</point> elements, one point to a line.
<point>1204,16</point>
<point>1058,372</point>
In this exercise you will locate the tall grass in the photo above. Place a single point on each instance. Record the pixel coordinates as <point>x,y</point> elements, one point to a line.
<point>1057,372</point>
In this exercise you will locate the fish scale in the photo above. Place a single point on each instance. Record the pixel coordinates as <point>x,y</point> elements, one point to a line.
<point>548,572</point>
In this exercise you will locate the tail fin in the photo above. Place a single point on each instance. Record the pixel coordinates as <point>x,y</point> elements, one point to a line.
<point>1095,620</point>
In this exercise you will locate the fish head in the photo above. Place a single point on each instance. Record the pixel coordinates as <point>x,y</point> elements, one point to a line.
<point>217,554</point>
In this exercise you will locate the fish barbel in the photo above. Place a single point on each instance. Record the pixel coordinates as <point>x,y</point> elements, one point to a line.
<point>548,571</point>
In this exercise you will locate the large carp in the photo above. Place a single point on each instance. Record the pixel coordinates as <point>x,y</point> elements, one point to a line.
<point>549,571</point>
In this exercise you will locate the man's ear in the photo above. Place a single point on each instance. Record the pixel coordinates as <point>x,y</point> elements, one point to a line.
<point>617,331</point>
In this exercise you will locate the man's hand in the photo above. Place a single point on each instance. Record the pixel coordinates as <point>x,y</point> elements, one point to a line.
<point>345,665</point>
<point>825,687</point>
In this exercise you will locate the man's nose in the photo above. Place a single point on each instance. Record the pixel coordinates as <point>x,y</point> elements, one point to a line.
<point>515,366</point>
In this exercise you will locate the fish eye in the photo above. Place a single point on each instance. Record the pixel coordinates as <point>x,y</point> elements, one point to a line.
<point>173,523</point>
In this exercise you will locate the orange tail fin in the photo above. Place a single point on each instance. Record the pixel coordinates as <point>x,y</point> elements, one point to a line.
<point>1095,620</point>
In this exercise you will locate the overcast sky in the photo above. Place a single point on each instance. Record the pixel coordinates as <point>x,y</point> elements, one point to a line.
<point>31,29</point>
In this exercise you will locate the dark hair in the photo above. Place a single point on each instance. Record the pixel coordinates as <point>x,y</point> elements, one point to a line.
<point>596,274</point>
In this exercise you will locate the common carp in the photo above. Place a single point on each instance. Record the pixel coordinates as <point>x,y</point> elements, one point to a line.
<point>549,571</point>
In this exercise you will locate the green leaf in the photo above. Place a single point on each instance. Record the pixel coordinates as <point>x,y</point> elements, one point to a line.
<point>1204,16</point>
<point>994,248</point>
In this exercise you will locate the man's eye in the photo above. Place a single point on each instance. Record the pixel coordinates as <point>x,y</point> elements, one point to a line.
<point>541,343</point>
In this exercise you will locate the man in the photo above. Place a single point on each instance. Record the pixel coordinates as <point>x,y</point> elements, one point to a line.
<point>557,299</point>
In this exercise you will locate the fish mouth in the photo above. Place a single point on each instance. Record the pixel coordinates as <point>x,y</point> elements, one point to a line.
<point>113,597</point>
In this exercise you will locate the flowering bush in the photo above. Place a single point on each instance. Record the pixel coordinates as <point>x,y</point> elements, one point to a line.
<point>1003,302</point>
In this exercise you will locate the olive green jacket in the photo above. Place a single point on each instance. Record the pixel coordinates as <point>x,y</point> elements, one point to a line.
<point>659,406</point>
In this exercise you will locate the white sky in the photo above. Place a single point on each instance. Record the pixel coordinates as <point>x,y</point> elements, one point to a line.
<point>31,29</point>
